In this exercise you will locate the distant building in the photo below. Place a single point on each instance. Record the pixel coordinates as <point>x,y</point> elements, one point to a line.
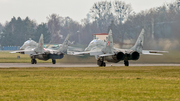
<point>101,36</point>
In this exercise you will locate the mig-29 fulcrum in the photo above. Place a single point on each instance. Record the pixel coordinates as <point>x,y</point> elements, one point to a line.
<point>37,50</point>
<point>105,51</point>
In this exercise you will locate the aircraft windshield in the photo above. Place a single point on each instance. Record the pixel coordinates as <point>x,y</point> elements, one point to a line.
<point>29,43</point>
<point>54,47</point>
<point>95,43</point>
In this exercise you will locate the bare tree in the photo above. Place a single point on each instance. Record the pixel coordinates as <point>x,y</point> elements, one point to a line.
<point>101,14</point>
<point>122,11</point>
<point>1,27</point>
<point>54,27</point>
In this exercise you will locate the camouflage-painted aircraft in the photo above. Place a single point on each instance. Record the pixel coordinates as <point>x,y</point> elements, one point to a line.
<point>104,51</point>
<point>37,50</point>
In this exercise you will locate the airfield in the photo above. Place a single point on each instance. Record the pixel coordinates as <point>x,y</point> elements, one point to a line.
<point>26,65</point>
<point>72,79</point>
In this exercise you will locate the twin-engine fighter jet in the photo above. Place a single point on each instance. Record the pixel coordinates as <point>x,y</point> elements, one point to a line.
<point>37,50</point>
<point>104,51</point>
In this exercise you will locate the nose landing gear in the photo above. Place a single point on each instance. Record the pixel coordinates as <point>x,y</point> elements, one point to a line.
<point>101,63</point>
<point>53,61</point>
<point>33,61</point>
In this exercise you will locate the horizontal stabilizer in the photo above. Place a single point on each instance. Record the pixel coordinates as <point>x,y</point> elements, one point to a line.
<point>156,51</point>
<point>151,54</point>
<point>146,52</point>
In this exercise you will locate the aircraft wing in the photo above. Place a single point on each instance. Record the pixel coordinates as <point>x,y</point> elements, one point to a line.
<point>153,52</point>
<point>122,50</point>
<point>29,52</point>
<point>144,52</point>
<point>104,55</point>
<point>92,53</point>
<point>20,51</point>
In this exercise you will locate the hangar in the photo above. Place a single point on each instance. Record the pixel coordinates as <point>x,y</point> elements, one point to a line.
<point>101,36</point>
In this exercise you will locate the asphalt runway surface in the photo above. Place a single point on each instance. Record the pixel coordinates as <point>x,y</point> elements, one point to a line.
<point>26,65</point>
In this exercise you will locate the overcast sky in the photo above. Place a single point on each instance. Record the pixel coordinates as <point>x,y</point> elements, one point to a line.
<point>76,9</point>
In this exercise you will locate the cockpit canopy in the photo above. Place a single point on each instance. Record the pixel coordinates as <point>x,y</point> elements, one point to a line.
<point>29,44</point>
<point>55,47</point>
<point>96,43</point>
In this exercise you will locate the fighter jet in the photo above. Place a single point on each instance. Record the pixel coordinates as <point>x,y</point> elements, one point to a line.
<point>37,50</point>
<point>105,51</point>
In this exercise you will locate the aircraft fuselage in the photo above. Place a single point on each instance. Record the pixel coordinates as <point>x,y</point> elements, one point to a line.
<point>46,57</point>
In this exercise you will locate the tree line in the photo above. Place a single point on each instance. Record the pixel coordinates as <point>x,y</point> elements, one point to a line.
<point>161,25</point>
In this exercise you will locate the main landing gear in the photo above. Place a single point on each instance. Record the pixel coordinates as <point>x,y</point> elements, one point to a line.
<point>33,61</point>
<point>53,61</point>
<point>126,63</point>
<point>101,63</point>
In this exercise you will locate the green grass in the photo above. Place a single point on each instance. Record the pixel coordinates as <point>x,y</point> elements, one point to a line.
<point>6,57</point>
<point>100,84</point>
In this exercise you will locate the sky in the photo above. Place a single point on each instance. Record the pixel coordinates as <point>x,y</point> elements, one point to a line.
<point>39,10</point>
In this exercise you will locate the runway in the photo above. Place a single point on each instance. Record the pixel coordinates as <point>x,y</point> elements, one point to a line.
<point>26,65</point>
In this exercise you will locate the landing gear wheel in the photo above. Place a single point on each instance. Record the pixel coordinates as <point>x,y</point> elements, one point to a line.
<point>98,63</point>
<point>101,63</point>
<point>53,61</point>
<point>104,64</point>
<point>33,61</point>
<point>126,63</point>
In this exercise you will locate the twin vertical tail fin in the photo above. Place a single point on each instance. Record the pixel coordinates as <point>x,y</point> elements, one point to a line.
<point>109,44</point>
<point>139,43</point>
<point>110,40</point>
<point>40,48</point>
<point>64,47</point>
